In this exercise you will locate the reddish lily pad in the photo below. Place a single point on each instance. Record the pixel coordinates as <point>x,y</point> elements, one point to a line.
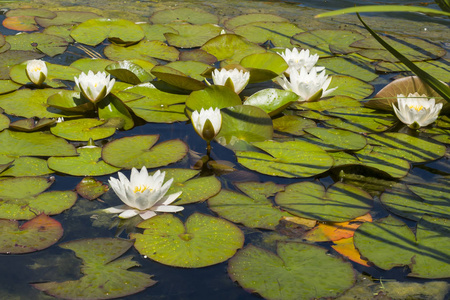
<point>106,276</point>
<point>20,23</point>
<point>90,188</point>
<point>39,233</point>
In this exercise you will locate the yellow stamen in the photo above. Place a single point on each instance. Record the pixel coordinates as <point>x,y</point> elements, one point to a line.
<point>140,188</point>
<point>417,108</point>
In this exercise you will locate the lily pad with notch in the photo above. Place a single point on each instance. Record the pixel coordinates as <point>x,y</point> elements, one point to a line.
<point>145,50</point>
<point>177,78</point>
<point>27,166</point>
<point>91,188</point>
<point>191,36</point>
<point>264,66</point>
<point>183,14</point>
<point>272,101</point>
<point>279,33</point>
<point>38,42</point>
<point>82,130</point>
<point>212,96</point>
<point>129,72</point>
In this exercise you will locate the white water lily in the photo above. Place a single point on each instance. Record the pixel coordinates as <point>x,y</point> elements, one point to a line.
<point>207,123</point>
<point>416,110</point>
<point>308,86</point>
<point>94,87</point>
<point>36,71</point>
<point>296,60</point>
<point>235,79</point>
<point>143,194</point>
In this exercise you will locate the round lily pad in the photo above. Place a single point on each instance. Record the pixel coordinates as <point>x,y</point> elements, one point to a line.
<point>138,151</point>
<point>145,50</point>
<point>289,159</point>
<point>27,166</point>
<point>426,253</point>
<point>155,32</point>
<point>264,66</point>
<point>251,18</point>
<point>12,57</point>
<point>278,276</point>
<point>38,42</point>
<point>66,17</point>
<point>190,15</point>
<point>332,139</point>
<point>88,163</point>
<point>212,96</point>
<point>39,233</point>
<point>129,72</point>
<point>82,130</point>
<point>70,102</point>
<point>7,86</point>
<point>92,32</point>
<point>272,101</point>
<point>105,275</point>
<point>350,86</point>
<point>20,23</point>
<point>294,125</point>
<point>340,202</point>
<point>4,122</point>
<point>350,65</point>
<point>88,64</point>
<point>177,78</point>
<point>55,72</point>
<point>190,68</point>
<point>202,241</point>
<point>279,33</point>
<point>190,36</point>
<point>90,188</point>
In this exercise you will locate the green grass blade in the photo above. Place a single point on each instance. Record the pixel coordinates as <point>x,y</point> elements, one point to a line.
<point>382,8</point>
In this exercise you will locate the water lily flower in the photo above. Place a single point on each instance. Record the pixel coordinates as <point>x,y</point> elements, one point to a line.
<point>416,110</point>
<point>94,87</point>
<point>36,71</point>
<point>207,123</point>
<point>309,86</point>
<point>143,194</point>
<point>296,60</point>
<point>235,79</point>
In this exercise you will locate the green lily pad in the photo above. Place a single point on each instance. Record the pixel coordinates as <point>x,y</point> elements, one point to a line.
<point>414,49</point>
<point>202,241</point>
<point>106,276</point>
<point>279,33</point>
<point>177,78</point>
<point>264,66</point>
<point>34,144</point>
<point>69,101</point>
<point>332,139</point>
<point>88,64</point>
<point>82,130</point>
<point>327,42</point>
<point>231,47</point>
<point>4,122</point>
<point>426,253</point>
<point>13,57</point>
<point>350,87</point>
<point>243,124</point>
<point>278,276</point>
<point>39,233</point>
<point>55,73</point>
<point>212,96</point>
<point>88,163</point>
<point>129,72</point>
<point>438,68</point>
<point>90,188</point>
<point>66,17</point>
<point>7,86</point>
<point>350,65</point>
<point>252,18</point>
<point>138,151</point>
<point>35,12</point>
<point>63,31</point>
<point>360,119</point>
<point>190,36</point>
<point>294,125</point>
<point>38,42</point>
<point>27,166</point>
<point>190,15</point>
<point>92,32</point>
<point>193,189</point>
<point>407,147</point>
<point>34,103</point>
<point>328,103</point>
<point>340,202</point>
<point>198,55</point>
<point>414,201</point>
<point>111,107</point>
<point>145,50</point>
<point>192,69</point>
<point>272,101</point>
<point>259,211</point>
<point>289,159</point>
<point>31,124</point>
<point>157,106</point>
<point>155,32</point>
<point>22,198</point>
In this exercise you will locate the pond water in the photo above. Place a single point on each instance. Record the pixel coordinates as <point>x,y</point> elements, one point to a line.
<point>408,167</point>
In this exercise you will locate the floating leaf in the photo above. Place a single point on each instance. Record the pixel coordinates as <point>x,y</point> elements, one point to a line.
<point>39,233</point>
<point>289,159</point>
<point>90,188</point>
<point>88,163</point>
<point>82,130</point>
<point>177,78</point>
<point>138,151</point>
<point>292,124</point>
<point>155,32</point>
<point>202,241</point>
<point>63,31</point>
<point>272,101</point>
<point>12,57</point>
<point>31,124</point>
<point>35,12</point>
<point>340,202</point>
<point>88,64</point>
<point>38,42</point>
<point>192,69</point>
<point>251,18</point>
<point>67,17</point>
<point>350,65</point>
<point>70,101</point>
<point>145,50</point>
<point>7,86</point>
<point>279,33</point>
<point>55,73</point>
<point>277,276</point>
<point>231,47</point>
<point>332,139</point>
<point>190,36</point>
<point>350,87</point>
<point>256,211</point>
<point>438,68</point>
<point>4,122</point>
<point>20,23</point>
<point>264,66</point>
<point>92,32</point>
<point>414,201</point>
<point>129,72</point>
<point>193,189</point>
<point>22,198</point>
<point>212,96</point>
<point>34,144</point>
<point>182,14</point>
<point>27,166</point>
<point>111,107</point>
<point>346,248</point>
<point>426,253</point>
<point>106,276</point>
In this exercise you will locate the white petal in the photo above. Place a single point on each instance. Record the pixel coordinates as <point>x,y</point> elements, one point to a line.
<point>116,209</point>
<point>167,208</point>
<point>147,214</point>
<point>129,213</point>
